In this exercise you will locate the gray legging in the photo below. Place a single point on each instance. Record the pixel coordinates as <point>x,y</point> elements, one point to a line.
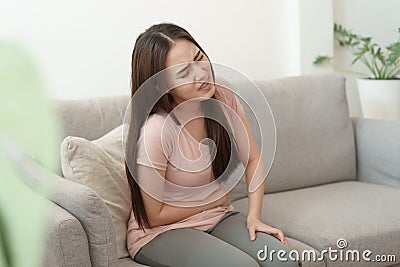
<point>225,244</point>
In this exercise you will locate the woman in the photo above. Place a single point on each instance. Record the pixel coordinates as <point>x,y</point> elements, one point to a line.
<point>182,216</point>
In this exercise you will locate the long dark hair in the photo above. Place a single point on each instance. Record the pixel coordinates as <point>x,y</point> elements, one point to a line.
<point>148,58</point>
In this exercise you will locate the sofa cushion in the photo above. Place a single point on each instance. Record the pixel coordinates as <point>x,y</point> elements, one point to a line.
<point>99,164</point>
<point>315,139</point>
<point>128,262</point>
<point>366,215</point>
<point>96,116</point>
<point>304,249</point>
<point>378,151</point>
<point>90,118</point>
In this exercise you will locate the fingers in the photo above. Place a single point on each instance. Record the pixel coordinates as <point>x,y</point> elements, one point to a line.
<point>280,235</point>
<point>286,242</point>
<point>275,232</point>
<point>252,232</point>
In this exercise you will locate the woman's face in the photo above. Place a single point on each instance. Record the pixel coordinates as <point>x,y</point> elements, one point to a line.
<point>188,72</point>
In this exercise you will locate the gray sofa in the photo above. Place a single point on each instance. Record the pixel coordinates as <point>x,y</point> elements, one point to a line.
<point>333,177</point>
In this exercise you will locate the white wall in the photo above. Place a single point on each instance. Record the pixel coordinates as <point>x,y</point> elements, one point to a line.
<point>84,47</point>
<point>378,19</point>
<point>315,30</point>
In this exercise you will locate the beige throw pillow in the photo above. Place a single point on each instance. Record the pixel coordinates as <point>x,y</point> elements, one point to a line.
<point>99,164</point>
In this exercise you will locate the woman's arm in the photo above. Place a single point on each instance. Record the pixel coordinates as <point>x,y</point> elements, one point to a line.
<point>255,172</point>
<point>255,179</point>
<point>159,213</point>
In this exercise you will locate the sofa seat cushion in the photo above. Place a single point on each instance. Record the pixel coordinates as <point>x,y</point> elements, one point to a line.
<point>366,215</point>
<point>128,262</point>
<point>300,247</point>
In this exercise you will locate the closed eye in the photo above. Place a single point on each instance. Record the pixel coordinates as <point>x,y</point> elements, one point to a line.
<point>184,75</point>
<point>197,58</point>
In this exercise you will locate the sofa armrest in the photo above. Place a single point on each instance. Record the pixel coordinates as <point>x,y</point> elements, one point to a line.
<point>80,201</point>
<point>378,151</point>
<point>66,242</point>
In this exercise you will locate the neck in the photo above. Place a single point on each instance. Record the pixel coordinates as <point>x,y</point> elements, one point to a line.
<point>187,111</point>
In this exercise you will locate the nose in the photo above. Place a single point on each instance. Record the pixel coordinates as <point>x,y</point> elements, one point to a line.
<point>200,74</point>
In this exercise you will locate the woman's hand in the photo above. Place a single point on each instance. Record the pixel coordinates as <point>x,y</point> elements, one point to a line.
<point>254,224</point>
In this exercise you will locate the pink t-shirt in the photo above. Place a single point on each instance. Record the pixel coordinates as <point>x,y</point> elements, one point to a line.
<point>170,147</point>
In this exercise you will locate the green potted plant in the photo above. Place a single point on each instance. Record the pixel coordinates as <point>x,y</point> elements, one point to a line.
<point>380,89</point>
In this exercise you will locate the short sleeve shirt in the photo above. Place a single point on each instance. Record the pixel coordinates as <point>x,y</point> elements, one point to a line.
<point>167,146</point>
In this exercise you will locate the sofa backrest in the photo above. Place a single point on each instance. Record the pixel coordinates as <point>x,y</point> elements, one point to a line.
<point>90,118</point>
<point>315,140</point>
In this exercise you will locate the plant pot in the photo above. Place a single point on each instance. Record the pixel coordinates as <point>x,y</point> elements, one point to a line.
<point>380,99</point>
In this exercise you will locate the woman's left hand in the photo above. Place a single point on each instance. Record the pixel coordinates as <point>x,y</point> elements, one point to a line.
<point>254,224</point>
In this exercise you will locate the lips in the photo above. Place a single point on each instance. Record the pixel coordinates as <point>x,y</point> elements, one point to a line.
<point>204,86</point>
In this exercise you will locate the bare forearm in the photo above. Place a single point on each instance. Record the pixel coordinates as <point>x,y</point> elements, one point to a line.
<point>255,175</point>
<point>169,213</point>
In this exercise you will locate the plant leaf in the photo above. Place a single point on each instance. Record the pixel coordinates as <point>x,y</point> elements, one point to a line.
<point>382,63</point>
<point>394,53</point>
<point>321,59</point>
